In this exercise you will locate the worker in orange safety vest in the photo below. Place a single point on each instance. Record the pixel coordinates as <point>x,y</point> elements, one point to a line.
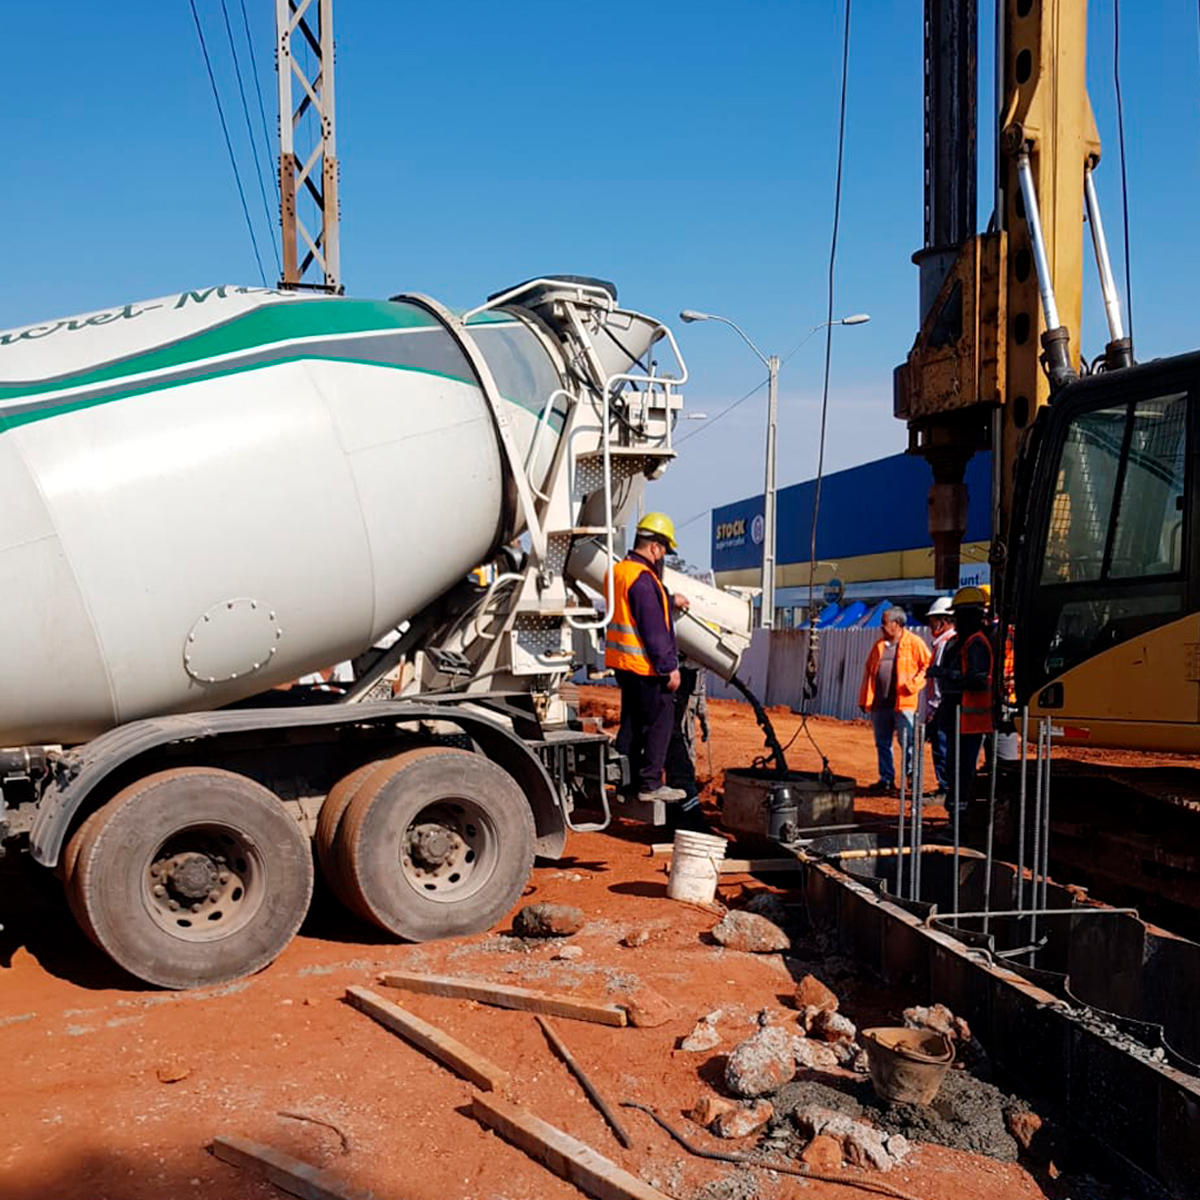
<point>640,649</point>
<point>965,678</point>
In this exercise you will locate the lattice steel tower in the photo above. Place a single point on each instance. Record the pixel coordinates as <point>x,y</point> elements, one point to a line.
<point>308,175</point>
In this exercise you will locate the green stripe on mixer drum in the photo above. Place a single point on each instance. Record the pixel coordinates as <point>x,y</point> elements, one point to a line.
<point>284,322</point>
<point>50,409</point>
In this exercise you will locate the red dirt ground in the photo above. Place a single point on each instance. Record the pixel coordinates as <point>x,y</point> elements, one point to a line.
<point>111,1091</point>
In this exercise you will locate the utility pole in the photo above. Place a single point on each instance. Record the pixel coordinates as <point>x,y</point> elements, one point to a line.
<point>312,254</point>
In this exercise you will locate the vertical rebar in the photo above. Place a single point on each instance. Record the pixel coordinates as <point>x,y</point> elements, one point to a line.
<point>1046,817</point>
<point>900,817</point>
<point>1037,829</point>
<point>987,862</point>
<point>914,870</point>
<point>1021,808</point>
<point>958,773</point>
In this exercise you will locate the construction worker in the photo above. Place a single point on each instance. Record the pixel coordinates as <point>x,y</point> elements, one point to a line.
<point>893,677</point>
<point>941,624</point>
<point>640,649</point>
<point>965,678</point>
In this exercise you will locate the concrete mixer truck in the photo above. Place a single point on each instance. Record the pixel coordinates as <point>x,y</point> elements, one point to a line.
<point>205,496</point>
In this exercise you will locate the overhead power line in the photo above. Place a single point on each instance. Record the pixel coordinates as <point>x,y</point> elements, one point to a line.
<point>262,112</point>
<point>228,144</point>
<point>833,242</point>
<point>237,70</point>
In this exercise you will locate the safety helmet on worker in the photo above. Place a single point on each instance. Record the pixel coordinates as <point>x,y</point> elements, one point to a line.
<point>972,597</point>
<point>941,607</point>
<point>658,525</point>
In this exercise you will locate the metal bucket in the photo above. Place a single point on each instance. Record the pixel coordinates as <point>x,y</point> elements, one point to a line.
<point>775,806</point>
<point>907,1065</point>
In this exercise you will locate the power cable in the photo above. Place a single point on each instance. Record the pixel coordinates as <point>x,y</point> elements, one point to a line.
<point>837,214</point>
<point>237,70</point>
<point>262,112</point>
<point>758,387</point>
<point>810,669</point>
<point>228,144</point>
<point>1121,137</point>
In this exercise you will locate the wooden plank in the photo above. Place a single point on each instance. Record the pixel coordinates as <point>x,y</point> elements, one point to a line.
<point>505,996</point>
<point>299,1178</point>
<point>751,866</point>
<point>462,1060</point>
<point>566,1156</point>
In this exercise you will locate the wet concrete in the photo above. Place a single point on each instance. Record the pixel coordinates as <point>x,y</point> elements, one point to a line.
<point>967,1113</point>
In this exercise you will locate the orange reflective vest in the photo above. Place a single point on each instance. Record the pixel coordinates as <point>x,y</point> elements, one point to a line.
<point>623,646</point>
<point>977,705</point>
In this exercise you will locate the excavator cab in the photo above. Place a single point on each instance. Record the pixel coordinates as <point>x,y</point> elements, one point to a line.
<point>1106,578</point>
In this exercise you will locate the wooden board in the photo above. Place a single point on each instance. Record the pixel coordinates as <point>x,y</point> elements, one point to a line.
<point>300,1178</point>
<point>751,866</point>
<point>462,1060</point>
<point>505,996</point>
<point>566,1156</point>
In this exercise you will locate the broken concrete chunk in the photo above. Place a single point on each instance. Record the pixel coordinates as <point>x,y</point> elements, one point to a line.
<point>569,953</point>
<point>743,1120</point>
<point>847,1053</point>
<point>814,1055</point>
<point>703,1037</point>
<point>761,1063</point>
<point>938,1019</point>
<point>1023,1126</point>
<point>812,993</point>
<point>548,920</point>
<point>709,1107</point>
<point>741,930</point>
<point>898,1146</point>
<point>636,937</point>
<point>647,1009</point>
<point>833,1027</point>
<point>823,1153</point>
<point>861,1145</point>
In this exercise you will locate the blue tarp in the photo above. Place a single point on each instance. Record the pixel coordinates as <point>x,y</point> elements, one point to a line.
<point>827,616</point>
<point>850,616</point>
<point>874,619</point>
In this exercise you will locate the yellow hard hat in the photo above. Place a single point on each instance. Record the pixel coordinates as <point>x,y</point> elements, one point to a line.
<point>972,597</point>
<point>658,525</point>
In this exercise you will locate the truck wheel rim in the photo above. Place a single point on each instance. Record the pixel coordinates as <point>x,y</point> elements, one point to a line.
<point>204,883</point>
<point>449,850</point>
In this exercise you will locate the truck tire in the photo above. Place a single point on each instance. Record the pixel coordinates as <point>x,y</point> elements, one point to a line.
<point>190,877</point>
<point>329,824</point>
<point>438,844</point>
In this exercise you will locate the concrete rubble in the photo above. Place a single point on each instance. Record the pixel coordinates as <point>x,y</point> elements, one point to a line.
<point>747,931</point>
<point>548,920</point>
<point>761,1063</point>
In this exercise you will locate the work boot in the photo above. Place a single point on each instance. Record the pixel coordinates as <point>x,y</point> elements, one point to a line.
<point>667,795</point>
<point>879,788</point>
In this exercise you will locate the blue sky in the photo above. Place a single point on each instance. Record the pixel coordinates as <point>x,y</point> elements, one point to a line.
<point>684,150</point>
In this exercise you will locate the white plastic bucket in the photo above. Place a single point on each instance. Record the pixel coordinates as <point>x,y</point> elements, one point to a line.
<point>694,870</point>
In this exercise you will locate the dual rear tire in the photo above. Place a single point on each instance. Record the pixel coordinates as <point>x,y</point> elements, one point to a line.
<point>197,876</point>
<point>433,843</point>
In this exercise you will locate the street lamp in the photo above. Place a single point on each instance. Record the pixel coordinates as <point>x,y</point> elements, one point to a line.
<point>688,315</point>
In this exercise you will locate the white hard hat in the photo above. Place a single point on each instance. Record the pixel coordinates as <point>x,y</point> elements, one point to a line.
<point>941,607</point>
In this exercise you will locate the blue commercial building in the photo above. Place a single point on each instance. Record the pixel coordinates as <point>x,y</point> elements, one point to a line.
<point>873,540</point>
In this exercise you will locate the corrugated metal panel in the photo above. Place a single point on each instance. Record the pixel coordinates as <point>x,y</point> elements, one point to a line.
<point>774,669</point>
